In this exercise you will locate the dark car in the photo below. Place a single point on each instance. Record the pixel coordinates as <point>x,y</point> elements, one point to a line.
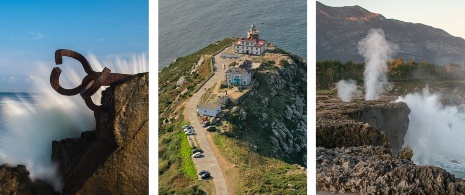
<point>196,150</point>
<point>206,123</point>
<point>211,128</point>
<point>204,174</point>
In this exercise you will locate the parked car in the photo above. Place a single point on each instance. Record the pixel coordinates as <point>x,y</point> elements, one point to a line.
<point>204,174</point>
<point>204,119</point>
<point>206,123</point>
<point>188,129</point>
<point>211,128</point>
<point>197,155</point>
<point>186,126</point>
<point>196,150</point>
<point>189,132</point>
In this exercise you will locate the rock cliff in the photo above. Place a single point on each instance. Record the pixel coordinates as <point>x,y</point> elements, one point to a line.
<point>114,158</point>
<point>273,115</point>
<point>373,170</point>
<point>358,123</point>
<point>15,180</point>
<point>358,151</point>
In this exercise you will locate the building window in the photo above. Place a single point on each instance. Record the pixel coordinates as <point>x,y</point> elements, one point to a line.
<point>244,82</point>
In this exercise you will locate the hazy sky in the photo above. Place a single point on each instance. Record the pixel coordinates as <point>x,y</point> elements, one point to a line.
<point>446,15</point>
<point>32,30</point>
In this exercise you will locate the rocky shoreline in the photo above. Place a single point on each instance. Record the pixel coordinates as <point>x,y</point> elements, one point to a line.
<point>359,151</point>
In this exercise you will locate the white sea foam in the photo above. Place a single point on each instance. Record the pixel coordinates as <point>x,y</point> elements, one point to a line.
<point>31,126</point>
<point>436,132</point>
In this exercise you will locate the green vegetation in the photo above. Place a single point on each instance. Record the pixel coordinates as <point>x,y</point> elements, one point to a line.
<point>188,167</point>
<point>260,174</point>
<point>182,67</point>
<point>329,72</point>
<point>177,173</point>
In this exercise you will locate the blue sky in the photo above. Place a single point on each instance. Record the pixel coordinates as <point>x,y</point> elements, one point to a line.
<point>31,31</point>
<point>446,15</point>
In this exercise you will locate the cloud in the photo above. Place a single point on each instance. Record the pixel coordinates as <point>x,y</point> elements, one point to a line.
<point>36,35</point>
<point>18,38</point>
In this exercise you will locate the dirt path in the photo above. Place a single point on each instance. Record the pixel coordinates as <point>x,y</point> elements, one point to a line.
<point>229,170</point>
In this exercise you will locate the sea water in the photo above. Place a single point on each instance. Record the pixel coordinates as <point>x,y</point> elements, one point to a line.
<point>436,132</point>
<point>29,122</point>
<point>188,26</point>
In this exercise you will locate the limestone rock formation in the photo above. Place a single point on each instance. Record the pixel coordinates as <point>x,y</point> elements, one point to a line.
<point>358,123</point>
<point>373,170</point>
<point>15,180</point>
<point>114,158</point>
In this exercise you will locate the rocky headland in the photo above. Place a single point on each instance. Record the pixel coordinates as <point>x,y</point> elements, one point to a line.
<point>359,150</point>
<point>113,159</point>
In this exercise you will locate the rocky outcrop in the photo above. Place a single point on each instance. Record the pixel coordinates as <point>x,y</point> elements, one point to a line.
<point>16,180</point>
<point>373,170</point>
<point>275,109</point>
<point>114,158</point>
<point>357,123</point>
<point>388,117</point>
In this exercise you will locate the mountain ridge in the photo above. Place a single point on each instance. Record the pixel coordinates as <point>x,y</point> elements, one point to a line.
<point>339,29</point>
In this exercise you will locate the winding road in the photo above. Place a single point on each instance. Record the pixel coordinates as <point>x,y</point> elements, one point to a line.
<point>209,161</point>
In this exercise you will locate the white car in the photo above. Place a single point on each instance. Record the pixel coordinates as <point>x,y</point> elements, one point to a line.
<point>189,132</point>
<point>188,129</point>
<point>197,155</point>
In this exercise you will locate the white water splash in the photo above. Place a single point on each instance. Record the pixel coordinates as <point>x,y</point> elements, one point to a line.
<point>30,127</point>
<point>346,90</point>
<point>376,50</point>
<point>436,132</point>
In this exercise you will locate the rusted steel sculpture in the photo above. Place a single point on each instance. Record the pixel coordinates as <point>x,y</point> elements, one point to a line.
<point>91,82</point>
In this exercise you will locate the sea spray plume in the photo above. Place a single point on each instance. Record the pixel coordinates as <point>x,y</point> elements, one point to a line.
<point>376,50</point>
<point>31,126</point>
<point>346,90</point>
<point>436,132</point>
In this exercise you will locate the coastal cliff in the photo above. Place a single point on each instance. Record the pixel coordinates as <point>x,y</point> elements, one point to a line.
<point>358,150</point>
<point>379,123</point>
<point>113,159</point>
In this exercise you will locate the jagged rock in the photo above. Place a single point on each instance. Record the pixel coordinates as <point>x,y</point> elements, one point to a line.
<point>114,159</point>
<point>16,180</point>
<point>289,112</point>
<point>357,123</point>
<point>243,115</point>
<point>180,81</point>
<point>373,170</point>
<point>406,153</point>
<point>235,109</point>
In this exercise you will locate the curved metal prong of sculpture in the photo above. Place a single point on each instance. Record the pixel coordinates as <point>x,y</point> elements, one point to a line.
<point>90,84</point>
<point>90,104</point>
<point>55,82</point>
<point>95,84</point>
<point>75,55</point>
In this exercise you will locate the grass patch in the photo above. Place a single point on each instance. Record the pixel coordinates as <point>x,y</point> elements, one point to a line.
<point>260,174</point>
<point>187,166</point>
